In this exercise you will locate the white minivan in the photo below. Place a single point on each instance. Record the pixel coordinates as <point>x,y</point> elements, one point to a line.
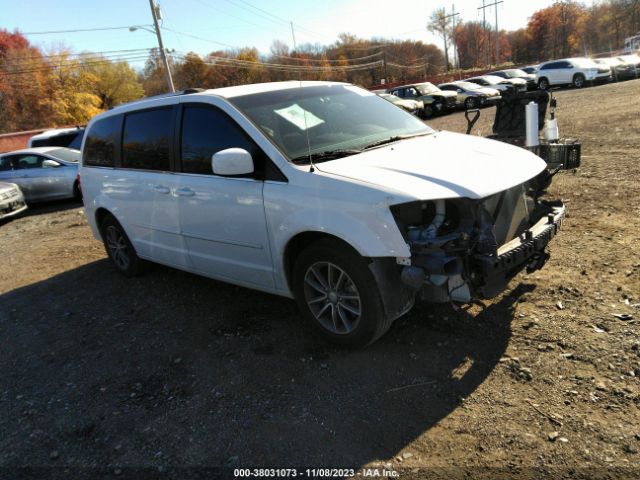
<point>320,191</point>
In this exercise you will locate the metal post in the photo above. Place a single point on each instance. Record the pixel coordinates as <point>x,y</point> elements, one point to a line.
<point>163,54</point>
<point>483,7</point>
<point>497,38</point>
<point>453,43</point>
<point>293,34</point>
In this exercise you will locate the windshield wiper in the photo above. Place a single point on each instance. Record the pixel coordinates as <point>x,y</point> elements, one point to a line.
<point>395,138</point>
<point>326,155</point>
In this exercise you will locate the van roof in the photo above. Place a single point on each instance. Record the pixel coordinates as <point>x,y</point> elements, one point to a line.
<point>236,91</point>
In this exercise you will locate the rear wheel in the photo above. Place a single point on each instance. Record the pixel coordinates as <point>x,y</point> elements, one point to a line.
<point>337,293</point>
<point>119,248</point>
<point>578,80</point>
<point>543,83</point>
<point>77,193</point>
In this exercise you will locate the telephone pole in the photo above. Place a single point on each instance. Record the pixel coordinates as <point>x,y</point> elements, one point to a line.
<point>453,16</point>
<point>167,73</point>
<point>497,31</point>
<point>293,34</point>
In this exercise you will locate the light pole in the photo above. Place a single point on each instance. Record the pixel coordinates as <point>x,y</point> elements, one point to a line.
<point>156,29</point>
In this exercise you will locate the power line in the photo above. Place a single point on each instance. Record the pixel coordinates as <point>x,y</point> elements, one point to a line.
<point>97,29</point>
<point>74,65</point>
<point>72,56</point>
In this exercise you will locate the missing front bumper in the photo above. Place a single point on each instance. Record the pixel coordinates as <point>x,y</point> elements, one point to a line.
<point>469,275</point>
<point>491,273</point>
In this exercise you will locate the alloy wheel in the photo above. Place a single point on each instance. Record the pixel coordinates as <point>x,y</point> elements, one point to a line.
<point>117,246</point>
<point>332,297</point>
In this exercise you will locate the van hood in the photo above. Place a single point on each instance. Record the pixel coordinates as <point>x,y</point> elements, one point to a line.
<point>440,165</point>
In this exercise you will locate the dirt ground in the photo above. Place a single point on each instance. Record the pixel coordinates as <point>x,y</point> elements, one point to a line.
<point>171,370</point>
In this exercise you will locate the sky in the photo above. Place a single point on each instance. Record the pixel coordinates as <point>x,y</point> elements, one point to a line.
<point>204,26</point>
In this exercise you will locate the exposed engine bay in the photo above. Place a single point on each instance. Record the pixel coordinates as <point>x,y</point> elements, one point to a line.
<point>464,249</point>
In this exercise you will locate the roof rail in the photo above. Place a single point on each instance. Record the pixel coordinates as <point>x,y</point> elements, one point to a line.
<point>161,95</point>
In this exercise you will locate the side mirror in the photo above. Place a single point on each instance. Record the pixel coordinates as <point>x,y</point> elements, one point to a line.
<point>50,164</point>
<point>232,161</point>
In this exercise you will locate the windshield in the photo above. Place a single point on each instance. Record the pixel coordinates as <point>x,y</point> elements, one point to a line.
<point>492,79</point>
<point>515,73</point>
<point>326,118</point>
<point>65,154</point>
<point>427,88</point>
<point>467,85</point>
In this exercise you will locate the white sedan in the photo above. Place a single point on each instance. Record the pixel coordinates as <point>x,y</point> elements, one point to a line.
<point>11,200</point>
<point>43,173</point>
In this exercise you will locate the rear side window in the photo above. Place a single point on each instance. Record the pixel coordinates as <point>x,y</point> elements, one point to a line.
<point>100,146</point>
<point>5,164</point>
<point>146,141</point>
<point>207,130</point>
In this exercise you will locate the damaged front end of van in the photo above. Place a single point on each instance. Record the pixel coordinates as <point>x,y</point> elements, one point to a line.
<point>465,249</point>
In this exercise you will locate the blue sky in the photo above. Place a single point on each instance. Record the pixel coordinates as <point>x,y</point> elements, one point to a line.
<point>222,24</point>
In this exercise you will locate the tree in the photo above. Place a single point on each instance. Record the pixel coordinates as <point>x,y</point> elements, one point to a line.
<point>440,24</point>
<point>112,82</point>
<point>191,73</point>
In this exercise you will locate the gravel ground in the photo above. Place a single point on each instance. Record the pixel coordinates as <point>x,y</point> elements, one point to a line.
<point>173,370</point>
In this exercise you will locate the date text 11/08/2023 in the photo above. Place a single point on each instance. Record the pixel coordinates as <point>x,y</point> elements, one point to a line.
<point>314,473</point>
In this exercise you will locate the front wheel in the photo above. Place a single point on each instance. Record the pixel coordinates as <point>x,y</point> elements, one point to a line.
<point>578,80</point>
<point>337,293</point>
<point>543,84</point>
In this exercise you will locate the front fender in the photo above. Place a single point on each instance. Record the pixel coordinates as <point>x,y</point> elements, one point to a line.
<point>368,227</point>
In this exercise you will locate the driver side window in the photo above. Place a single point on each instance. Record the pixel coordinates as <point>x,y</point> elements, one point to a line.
<point>24,162</point>
<point>207,130</point>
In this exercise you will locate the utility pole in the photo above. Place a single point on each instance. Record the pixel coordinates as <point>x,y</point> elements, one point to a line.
<point>163,54</point>
<point>453,16</point>
<point>293,34</point>
<point>384,63</point>
<point>497,31</point>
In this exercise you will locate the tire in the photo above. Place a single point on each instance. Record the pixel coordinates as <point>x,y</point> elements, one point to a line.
<point>543,84</point>
<point>578,80</point>
<point>470,103</point>
<point>427,111</point>
<point>77,193</point>
<point>338,294</point>
<point>438,106</point>
<point>119,248</point>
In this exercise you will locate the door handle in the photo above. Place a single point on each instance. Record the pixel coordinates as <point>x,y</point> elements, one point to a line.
<point>160,189</point>
<point>185,192</point>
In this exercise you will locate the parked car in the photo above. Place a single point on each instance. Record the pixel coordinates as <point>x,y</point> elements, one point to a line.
<point>499,83</point>
<point>633,61</point>
<point>319,191</point>
<point>11,200</point>
<point>42,173</point>
<point>620,70</point>
<point>412,106</point>
<point>517,73</point>
<point>434,100</point>
<point>571,71</point>
<point>532,69</point>
<point>471,95</point>
<point>59,137</point>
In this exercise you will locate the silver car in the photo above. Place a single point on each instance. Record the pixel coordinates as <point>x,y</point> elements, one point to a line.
<point>11,200</point>
<point>43,173</point>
